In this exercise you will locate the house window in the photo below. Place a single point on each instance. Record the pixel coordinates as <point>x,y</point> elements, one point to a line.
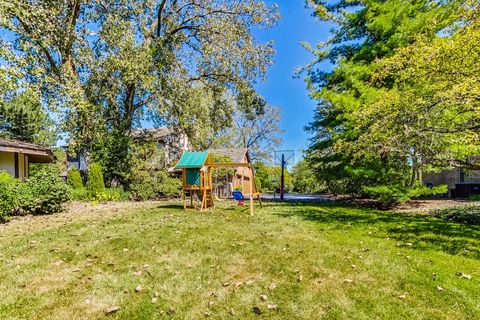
<point>462,175</point>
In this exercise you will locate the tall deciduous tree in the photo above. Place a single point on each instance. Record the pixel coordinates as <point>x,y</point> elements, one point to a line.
<point>110,64</point>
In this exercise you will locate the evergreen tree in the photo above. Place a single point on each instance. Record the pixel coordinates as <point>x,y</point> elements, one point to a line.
<point>95,183</point>
<point>75,179</point>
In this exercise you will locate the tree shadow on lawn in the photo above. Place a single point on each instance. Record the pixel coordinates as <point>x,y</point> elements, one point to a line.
<point>423,231</point>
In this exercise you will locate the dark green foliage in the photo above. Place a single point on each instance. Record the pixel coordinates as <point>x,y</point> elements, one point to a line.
<point>395,194</point>
<point>469,214</point>
<point>8,200</point>
<point>154,184</point>
<point>304,180</point>
<point>80,195</point>
<point>43,193</point>
<point>75,179</point>
<point>269,177</point>
<point>149,178</point>
<point>95,183</point>
<point>169,187</point>
<point>346,154</point>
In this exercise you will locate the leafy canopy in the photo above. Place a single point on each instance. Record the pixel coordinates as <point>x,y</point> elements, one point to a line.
<point>105,66</point>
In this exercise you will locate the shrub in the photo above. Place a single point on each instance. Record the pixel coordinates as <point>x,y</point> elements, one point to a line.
<point>169,187</point>
<point>474,197</point>
<point>79,195</point>
<point>95,183</point>
<point>74,179</point>
<point>389,195</point>
<point>464,214</point>
<point>142,186</point>
<point>8,192</point>
<point>44,192</point>
<point>112,194</point>
<point>149,178</point>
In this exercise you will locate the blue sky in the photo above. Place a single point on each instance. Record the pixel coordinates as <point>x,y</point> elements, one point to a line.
<point>280,88</point>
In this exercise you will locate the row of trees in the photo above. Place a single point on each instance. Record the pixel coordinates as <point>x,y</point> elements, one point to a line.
<point>99,68</point>
<point>402,99</point>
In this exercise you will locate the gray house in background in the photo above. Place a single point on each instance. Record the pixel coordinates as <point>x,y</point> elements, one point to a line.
<point>461,183</point>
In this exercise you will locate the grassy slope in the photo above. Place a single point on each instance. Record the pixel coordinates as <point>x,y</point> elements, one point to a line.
<point>219,263</point>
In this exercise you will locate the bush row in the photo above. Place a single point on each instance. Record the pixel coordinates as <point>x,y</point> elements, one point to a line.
<point>145,185</point>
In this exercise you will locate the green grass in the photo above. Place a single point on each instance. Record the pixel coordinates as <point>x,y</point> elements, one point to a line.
<point>327,261</point>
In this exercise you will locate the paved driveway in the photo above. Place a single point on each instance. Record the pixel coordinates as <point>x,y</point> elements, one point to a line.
<point>297,197</point>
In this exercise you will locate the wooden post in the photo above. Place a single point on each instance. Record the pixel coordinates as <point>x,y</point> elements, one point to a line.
<point>184,187</point>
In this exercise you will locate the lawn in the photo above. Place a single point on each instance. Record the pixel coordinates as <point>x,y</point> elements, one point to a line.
<point>291,261</point>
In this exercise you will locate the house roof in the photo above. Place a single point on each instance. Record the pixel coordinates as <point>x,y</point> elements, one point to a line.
<point>153,133</point>
<point>192,160</point>
<point>236,155</point>
<point>36,153</point>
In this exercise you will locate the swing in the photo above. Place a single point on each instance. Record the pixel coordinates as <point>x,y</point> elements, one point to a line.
<point>238,196</point>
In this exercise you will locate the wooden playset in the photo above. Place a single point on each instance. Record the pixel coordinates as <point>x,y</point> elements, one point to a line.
<point>197,169</point>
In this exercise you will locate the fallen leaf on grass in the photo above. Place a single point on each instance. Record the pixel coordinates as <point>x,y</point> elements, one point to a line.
<point>112,309</point>
<point>440,288</point>
<point>263,297</point>
<point>272,286</point>
<point>348,281</point>
<point>154,300</point>
<point>137,273</point>
<point>58,263</point>
<point>76,270</point>
<point>272,307</point>
<point>403,296</point>
<point>464,275</point>
<point>139,288</point>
